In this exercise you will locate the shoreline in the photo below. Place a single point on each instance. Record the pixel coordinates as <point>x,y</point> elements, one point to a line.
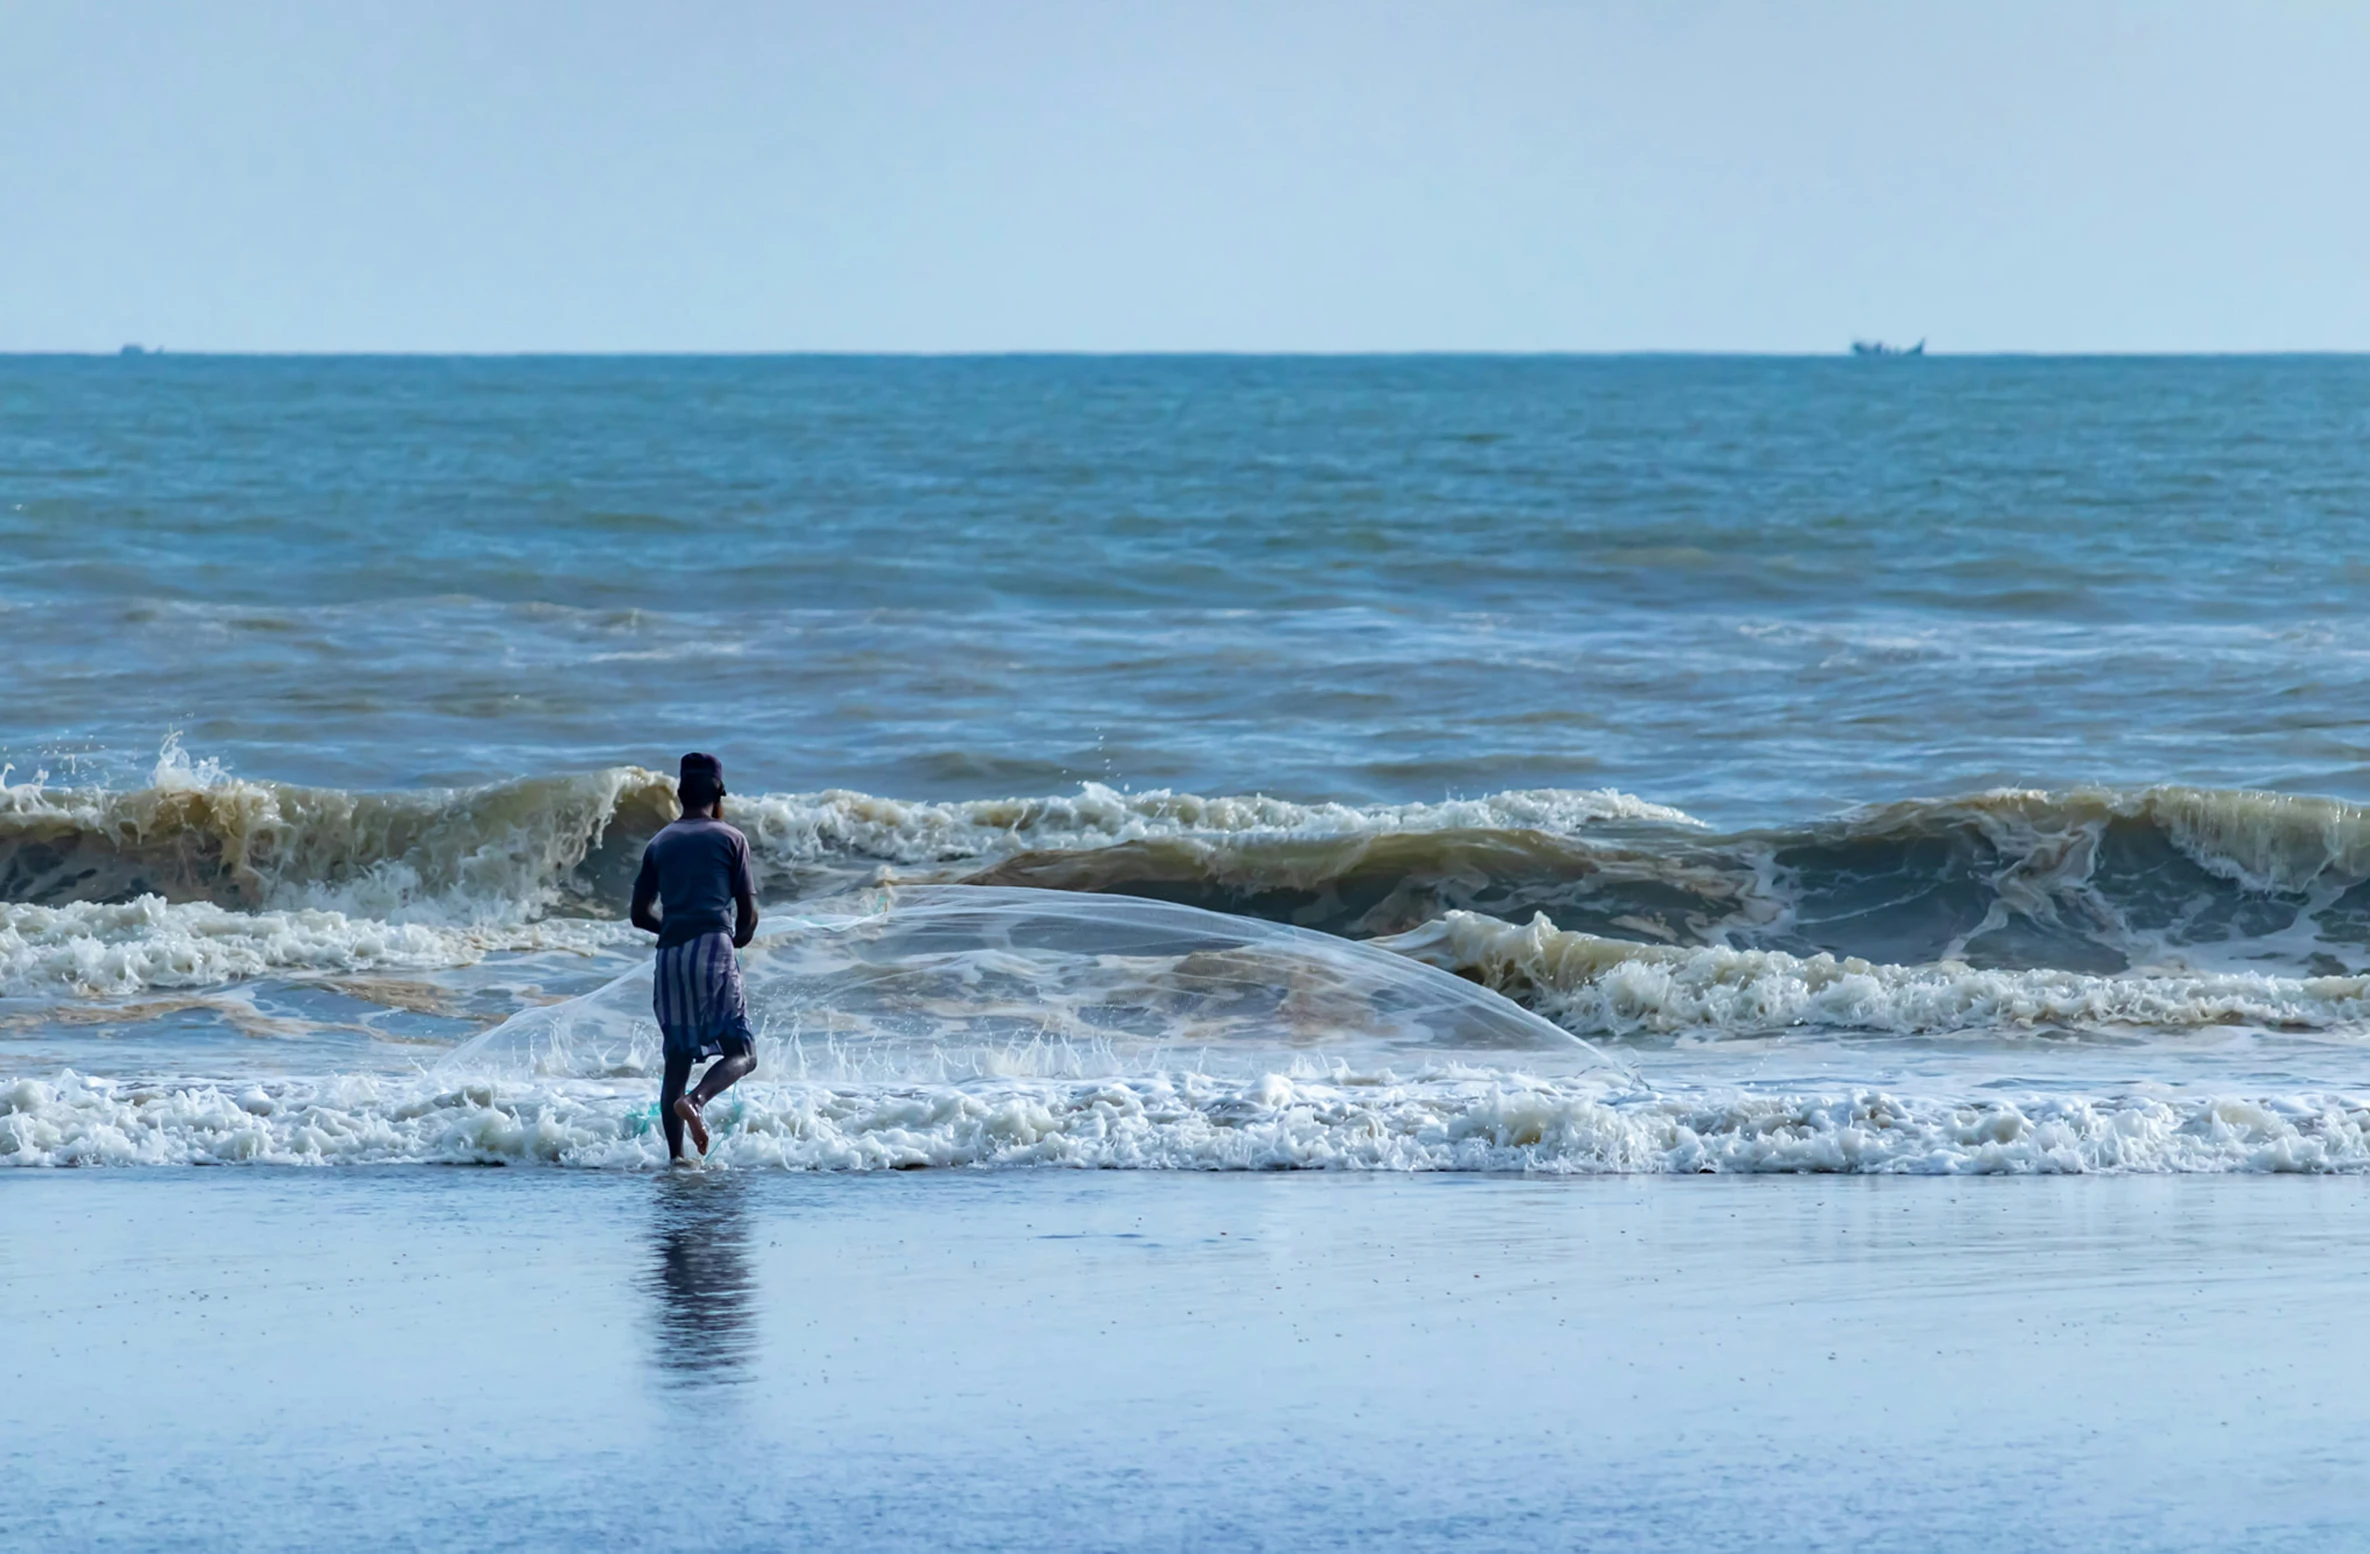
<point>410,1355</point>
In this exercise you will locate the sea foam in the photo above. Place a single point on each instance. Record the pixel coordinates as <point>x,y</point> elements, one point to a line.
<point>120,948</point>
<point>1182,1121</point>
<point>1604,987</point>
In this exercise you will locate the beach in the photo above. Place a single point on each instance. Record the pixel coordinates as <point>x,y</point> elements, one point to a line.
<point>394,1358</point>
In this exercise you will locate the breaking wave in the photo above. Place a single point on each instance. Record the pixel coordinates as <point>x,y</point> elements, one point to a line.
<point>2164,907</point>
<point>121,948</point>
<point>1178,1122</point>
<point>2092,881</point>
<point>194,834</point>
<point>570,844</point>
<point>1602,987</point>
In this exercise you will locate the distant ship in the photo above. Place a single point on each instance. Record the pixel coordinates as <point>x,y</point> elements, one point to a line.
<point>1879,348</point>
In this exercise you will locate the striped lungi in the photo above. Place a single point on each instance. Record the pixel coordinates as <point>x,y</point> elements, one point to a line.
<point>698,999</point>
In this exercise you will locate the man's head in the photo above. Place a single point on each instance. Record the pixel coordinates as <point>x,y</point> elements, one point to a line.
<point>701,782</point>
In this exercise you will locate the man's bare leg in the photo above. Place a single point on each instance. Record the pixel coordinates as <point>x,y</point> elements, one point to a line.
<point>670,1092</point>
<point>687,1118</point>
<point>721,1076</point>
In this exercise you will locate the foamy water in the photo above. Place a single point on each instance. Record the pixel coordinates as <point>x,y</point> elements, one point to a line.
<point>2158,980</point>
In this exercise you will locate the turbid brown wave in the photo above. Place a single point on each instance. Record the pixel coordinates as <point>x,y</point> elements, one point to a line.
<point>2092,881</point>
<point>2095,881</point>
<point>1368,885</point>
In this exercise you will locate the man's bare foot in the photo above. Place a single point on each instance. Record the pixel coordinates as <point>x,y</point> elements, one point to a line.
<point>693,1123</point>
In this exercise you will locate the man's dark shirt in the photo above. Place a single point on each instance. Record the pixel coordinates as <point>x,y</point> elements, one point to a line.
<point>698,868</point>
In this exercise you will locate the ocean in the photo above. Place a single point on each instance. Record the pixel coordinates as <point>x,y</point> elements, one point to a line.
<point>1945,765</point>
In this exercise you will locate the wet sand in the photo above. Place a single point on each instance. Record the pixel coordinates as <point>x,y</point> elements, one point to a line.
<point>532,1359</point>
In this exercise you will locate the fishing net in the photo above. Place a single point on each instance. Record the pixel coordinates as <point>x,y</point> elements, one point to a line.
<point>946,982</point>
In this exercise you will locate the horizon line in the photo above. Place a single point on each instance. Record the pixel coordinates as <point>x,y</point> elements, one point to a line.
<point>137,352</point>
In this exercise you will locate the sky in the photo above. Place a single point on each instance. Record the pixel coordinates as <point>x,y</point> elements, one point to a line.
<point>709,175</point>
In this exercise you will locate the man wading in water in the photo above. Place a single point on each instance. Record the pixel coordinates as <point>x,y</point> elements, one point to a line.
<point>698,868</point>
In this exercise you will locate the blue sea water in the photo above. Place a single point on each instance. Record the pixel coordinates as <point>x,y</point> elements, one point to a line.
<point>1939,764</point>
<point>1752,588</point>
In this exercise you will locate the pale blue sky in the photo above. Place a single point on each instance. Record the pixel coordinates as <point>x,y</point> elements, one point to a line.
<point>1113,176</point>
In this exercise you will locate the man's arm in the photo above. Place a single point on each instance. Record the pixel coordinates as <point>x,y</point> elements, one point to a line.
<point>744,898</point>
<point>646,897</point>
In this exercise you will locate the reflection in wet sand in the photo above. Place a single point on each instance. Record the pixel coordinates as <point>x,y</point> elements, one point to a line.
<point>702,1287</point>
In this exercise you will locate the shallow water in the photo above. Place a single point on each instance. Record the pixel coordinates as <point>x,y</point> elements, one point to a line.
<point>517,1360</point>
<point>1938,765</point>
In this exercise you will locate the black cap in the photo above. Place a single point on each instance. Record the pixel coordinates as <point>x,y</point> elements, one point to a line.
<point>697,764</point>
